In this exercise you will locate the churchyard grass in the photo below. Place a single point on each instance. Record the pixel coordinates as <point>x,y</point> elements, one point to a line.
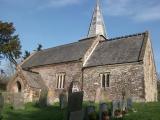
<point>142,111</point>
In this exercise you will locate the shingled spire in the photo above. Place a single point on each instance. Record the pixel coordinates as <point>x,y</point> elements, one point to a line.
<point>97,26</point>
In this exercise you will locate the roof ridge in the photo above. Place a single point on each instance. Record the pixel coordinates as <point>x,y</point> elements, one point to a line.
<point>81,40</point>
<point>127,36</point>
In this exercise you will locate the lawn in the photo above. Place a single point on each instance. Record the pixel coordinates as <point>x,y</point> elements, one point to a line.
<point>143,111</point>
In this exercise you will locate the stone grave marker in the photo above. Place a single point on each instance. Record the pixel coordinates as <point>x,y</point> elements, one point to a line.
<point>18,101</point>
<point>77,115</point>
<point>129,104</point>
<point>1,105</point>
<point>63,100</point>
<point>75,101</point>
<point>123,105</point>
<point>116,107</point>
<point>103,108</point>
<point>43,98</point>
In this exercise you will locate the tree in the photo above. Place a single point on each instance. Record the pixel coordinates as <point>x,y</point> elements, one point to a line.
<point>39,48</point>
<point>26,54</point>
<point>10,47</point>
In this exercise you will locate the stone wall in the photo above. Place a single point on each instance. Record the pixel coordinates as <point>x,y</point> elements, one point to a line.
<point>30,94</point>
<point>150,74</point>
<point>127,76</point>
<point>72,71</point>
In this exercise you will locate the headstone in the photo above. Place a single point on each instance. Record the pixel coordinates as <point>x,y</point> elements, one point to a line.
<point>75,101</point>
<point>123,105</point>
<point>63,100</point>
<point>77,115</point>
<point>129,103</point>
<point>103,108</point>
<point>114,107</point>
<point>43,98</point>
<point>1,104</point>
<point>18,101</point>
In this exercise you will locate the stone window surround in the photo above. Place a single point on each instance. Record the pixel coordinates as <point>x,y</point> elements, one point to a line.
<point>106,76</point>
<point>60,80</point>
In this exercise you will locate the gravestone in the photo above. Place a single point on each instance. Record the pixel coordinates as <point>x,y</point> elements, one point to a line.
<point>103,108</point>
<point>114,107</point>
<point>77,115</point>
<point>63,100</point>
<point>129,104</point>
<point>123,105</point>
<point>75,101</point>
<point>43,98</point>
<point>1,105</point>
<point>18,101</point>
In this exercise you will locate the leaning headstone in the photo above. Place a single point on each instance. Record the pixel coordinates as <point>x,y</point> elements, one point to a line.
<point>1,105</point>
<point>18,101</point>
<point>129,104</point>
<point>75,105</point>
<point>63,100</point>
<point>103,108</point>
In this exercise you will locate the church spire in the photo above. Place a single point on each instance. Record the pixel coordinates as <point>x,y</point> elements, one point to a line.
<point>97,26</point>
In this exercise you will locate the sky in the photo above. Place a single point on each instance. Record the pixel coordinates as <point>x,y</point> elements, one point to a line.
<point>57,22</point>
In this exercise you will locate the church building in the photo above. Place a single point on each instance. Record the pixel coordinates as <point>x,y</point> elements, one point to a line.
<point>104,68</point>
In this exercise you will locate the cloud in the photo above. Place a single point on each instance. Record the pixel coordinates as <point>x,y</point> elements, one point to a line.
<point>138,10</point>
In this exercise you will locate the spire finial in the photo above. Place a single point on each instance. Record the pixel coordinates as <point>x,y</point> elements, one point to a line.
<point>97,26</point>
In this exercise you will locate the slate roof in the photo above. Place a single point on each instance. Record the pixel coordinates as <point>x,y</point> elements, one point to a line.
<point>33,79</point>
<point>118,50</point>
<point>69,52</point>
<point>123,49</point>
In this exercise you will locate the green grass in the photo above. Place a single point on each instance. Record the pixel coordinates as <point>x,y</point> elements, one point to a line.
<point>144,111</point>
<point>32,112</point>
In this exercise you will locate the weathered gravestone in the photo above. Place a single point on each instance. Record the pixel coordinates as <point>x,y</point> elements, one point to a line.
<point>123,105</point>
<point>103,108</point>
<point>63,100</point>
<point>43,98</point>
<point>18,101</point>
<point>129,104</point>
<point>75,101</point>
<point>1,105</point>
<point>116,108</point>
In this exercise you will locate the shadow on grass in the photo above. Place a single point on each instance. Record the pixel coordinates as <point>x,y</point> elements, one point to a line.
<point>33,112</point>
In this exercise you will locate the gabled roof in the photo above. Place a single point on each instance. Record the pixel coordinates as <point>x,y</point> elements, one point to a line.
<point>65,53</point>
<point>119,50</point>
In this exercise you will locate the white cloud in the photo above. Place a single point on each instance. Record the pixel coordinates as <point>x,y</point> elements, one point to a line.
<point>138,10</point>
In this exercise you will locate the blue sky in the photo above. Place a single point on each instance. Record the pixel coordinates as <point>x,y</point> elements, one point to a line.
<point>56,22</point>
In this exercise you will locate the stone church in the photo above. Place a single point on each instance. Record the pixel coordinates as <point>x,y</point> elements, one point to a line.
<point>104,68</point>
